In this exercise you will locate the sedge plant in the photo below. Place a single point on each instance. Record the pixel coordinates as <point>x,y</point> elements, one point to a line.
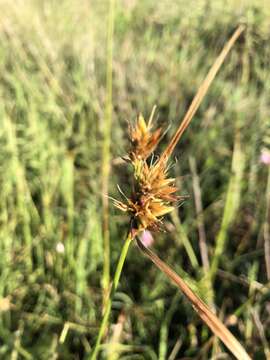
<point>154,195</point>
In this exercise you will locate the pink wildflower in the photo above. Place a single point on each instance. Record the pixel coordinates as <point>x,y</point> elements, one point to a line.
<point>265,157</point>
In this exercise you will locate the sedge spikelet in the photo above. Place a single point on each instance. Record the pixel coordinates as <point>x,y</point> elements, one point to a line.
<point>143,140</point>
<point>153,192</point>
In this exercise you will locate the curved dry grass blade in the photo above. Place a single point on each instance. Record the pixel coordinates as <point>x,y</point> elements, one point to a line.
<point>199,306</point>
<point>201,93</point>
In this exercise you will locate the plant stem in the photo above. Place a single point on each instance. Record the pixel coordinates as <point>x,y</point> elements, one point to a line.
<point>200,94</point>
<point>266,230</point>
<point>231,203</point>
<point>199,306</point>
<point>108,304</point>
<point>106,151</point>
<point>199,212</point>
<point>181,233</point>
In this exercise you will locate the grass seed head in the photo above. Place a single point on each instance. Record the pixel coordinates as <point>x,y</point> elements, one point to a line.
<point>143,140</point>
<point>153,193</point>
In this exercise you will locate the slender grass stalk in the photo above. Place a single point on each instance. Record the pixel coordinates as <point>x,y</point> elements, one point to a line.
<point>181,233</point>
<point>266,228</point>
<point>231,204</point>
<point>164,329</point>
<point>252,276</point>
<point>202,233</point>
<point>200,94</point>
<point>106,151</point>
<point>199,211</point>
<point>199,306</point>
<point>108,304</point>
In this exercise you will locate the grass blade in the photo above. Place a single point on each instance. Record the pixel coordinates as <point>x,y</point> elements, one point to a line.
<point>232,203</point>
<point>199,306</point>
<point>201,93</point>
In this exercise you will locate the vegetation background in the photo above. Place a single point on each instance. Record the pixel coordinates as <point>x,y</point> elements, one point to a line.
<point>53,66</point>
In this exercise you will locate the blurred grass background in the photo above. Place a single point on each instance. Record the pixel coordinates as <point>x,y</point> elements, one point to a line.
<point>53,60</point>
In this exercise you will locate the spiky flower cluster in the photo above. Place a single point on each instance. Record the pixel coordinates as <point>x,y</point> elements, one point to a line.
<point>153,193</point>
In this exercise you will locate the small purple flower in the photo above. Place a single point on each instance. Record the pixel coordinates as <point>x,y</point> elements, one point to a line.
<point>265,157</point>
<point>147,238</point>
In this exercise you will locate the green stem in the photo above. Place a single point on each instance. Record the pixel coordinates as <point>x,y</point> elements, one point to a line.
<point>184,239</point>
<point>231,203</point>
<point>108,304</point>
<point>106,149</point>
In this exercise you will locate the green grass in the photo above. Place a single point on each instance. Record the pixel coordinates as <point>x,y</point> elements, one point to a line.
<point>53,61</point>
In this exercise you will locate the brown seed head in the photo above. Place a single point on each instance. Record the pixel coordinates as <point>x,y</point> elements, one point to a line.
<point>154,192</point>
<point>143,140</point>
